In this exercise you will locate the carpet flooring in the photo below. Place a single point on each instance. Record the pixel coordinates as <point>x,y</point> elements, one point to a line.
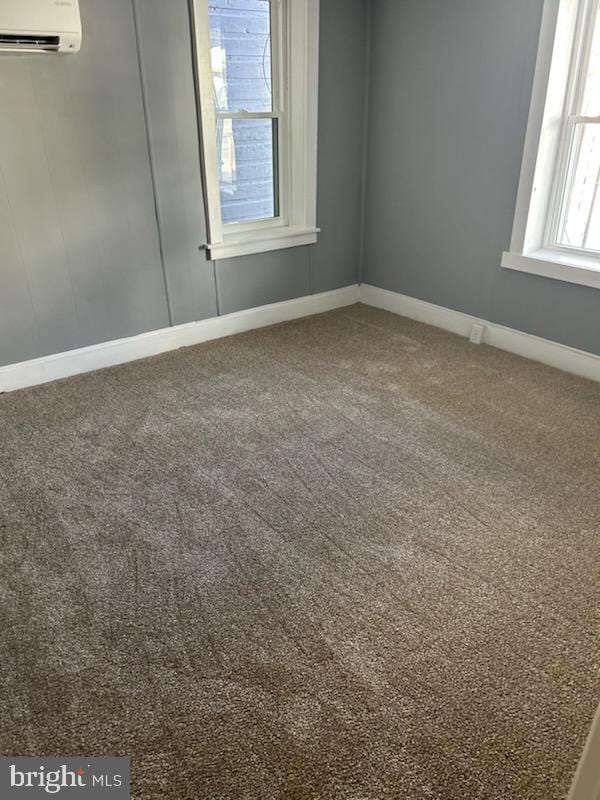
<point>347,557</point>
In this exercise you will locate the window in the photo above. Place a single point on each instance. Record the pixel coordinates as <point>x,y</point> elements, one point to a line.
<point>575,223</point>
<point>257,79</point>
<point>557,220</point>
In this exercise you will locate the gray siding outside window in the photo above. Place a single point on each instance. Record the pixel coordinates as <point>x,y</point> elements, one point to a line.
<point>240,40</point>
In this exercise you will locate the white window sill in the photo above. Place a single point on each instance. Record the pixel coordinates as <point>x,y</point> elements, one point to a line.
<point>262,242</point>
<point>558,265</point>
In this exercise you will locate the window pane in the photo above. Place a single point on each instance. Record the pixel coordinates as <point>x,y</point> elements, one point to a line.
<point>580,225</point>
<point>247,156</point>
<point>240,49</point>
<point>591,99</point>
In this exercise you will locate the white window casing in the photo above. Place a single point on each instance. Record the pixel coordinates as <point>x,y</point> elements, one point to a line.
<point>295,56</point>
<point>565,39</point>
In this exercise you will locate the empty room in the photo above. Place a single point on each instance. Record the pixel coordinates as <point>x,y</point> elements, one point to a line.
<point>300,399</point>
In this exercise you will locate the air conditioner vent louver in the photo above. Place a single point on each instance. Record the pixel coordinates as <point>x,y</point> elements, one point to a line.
<point>31,42</point>
<point>45,27</point>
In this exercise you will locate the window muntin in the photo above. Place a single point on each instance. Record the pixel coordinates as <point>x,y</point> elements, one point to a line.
<point>574,221</point>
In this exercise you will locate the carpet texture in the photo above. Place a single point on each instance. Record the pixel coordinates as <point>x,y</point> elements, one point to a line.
<point>347,557</point>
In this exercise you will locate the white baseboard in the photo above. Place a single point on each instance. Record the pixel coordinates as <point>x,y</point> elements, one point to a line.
<point>419,310</point>
<point>119,351</point>
<point>568,359</point>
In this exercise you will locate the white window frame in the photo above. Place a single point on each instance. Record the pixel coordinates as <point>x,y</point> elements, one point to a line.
<point>295,53</point>
<point>563,41</point>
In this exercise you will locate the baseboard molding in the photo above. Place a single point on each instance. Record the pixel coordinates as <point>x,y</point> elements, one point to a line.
<point>119,351</point>
<point>568,359</point>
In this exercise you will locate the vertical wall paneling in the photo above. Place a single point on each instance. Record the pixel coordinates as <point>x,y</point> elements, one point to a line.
<point>168,82</point>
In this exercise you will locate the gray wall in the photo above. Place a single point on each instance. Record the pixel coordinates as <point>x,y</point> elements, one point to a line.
<point>80,258</point>
<point>169,95</point>
<point>449,98</point>
<point>101,209</point>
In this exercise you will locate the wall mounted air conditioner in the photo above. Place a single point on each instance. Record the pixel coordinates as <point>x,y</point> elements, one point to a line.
<point>40,26</point>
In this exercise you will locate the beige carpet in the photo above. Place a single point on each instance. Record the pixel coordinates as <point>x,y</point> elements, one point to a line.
<point>348,557</point>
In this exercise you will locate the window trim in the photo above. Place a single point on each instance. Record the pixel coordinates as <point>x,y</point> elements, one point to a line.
<point>535,220</point>
<point>295,59</point>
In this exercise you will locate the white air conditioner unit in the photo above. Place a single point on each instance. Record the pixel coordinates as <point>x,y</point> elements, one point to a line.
<point>40,26</point>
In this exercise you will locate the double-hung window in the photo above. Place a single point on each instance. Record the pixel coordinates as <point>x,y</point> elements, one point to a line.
<point>257,70</point>
<point>557,221</point>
